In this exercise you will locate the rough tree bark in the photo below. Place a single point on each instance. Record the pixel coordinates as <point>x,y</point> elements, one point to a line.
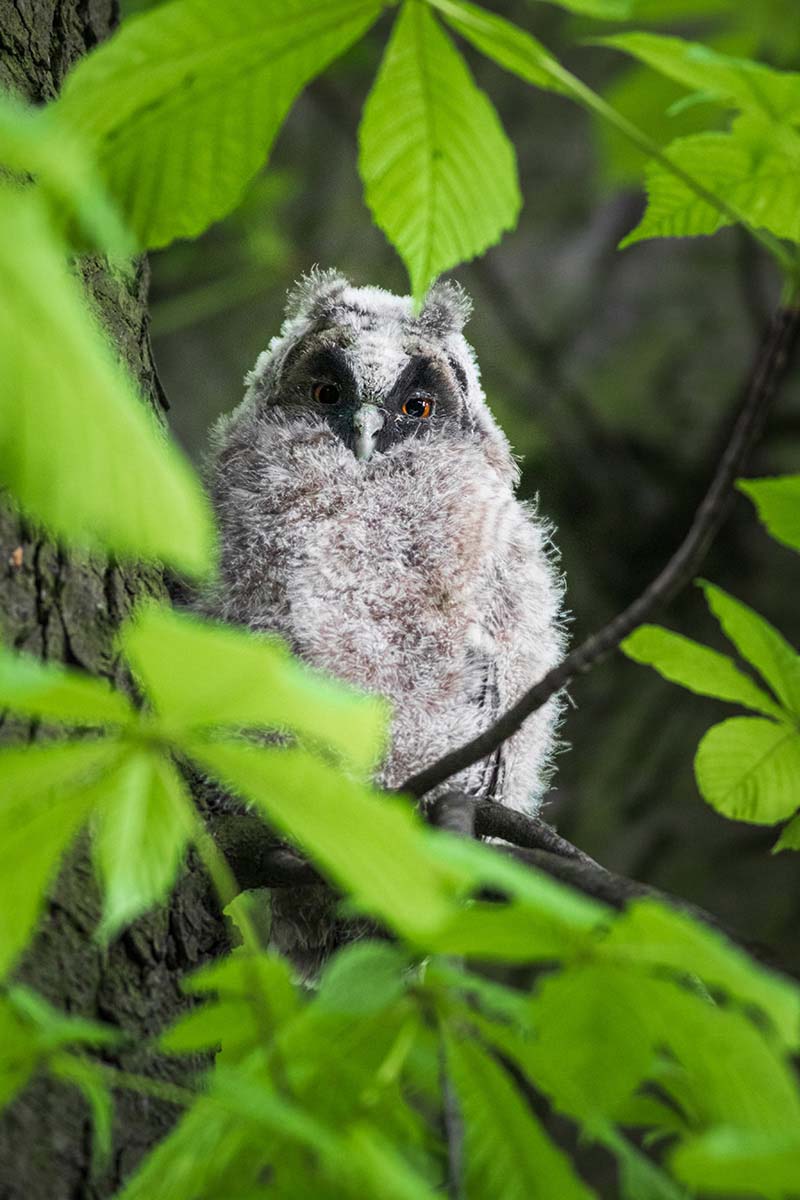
<point>64,608</point>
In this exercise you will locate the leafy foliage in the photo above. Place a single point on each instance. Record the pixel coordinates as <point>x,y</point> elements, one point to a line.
<point>641,1020</point>
<point>178,142</point>
<point>746,767</point>
<point>439,172</point>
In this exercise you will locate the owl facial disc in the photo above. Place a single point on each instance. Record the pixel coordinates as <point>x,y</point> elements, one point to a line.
<point>368,421</point>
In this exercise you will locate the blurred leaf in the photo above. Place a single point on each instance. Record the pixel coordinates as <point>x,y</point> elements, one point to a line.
<point>364,978</point>
<point>140,834</point>
<point>593,1044</point>
<point>89,1080</point>
<point>510,47</point>
<point>33,144</point>
<point>506,1152</point>
<point>40,689</point>
<point>748,769</point>
<point>654,936</point>
<point>31,1030</point>
<point>382,1169</point>
<point>744,84</point>
<point>778,503</point>
<point>639,1177</point>
<point>546,919</point>
<point>439,172</point>
<point>373,845</point>
<point>199,673</point>
<point>183,102</point>
<point>740,1162</point>
<point>759,643</point>
<point>606,10</point>
<point>756,167</point>
<point>696,667</point>
<point>249,988</point>
<point>47,795</point>
<point>647,101</point>
<point>790,837</point>
<point>77,448</point>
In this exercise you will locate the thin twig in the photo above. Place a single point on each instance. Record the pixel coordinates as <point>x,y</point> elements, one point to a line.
<point>770,367</point>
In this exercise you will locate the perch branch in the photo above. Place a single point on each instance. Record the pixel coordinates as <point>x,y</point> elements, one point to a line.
<point>769,370</point>
<point>258,860</point>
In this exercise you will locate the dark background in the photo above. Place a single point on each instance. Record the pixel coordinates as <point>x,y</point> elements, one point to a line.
<point>615,374</point>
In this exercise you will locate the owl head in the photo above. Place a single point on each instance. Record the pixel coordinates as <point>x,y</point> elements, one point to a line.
<point>378,374</point>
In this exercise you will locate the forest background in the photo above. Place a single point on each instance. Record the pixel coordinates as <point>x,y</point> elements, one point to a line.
<point>613,372</point>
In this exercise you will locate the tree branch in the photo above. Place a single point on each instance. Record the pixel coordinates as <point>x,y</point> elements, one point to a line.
<point>769,370</point>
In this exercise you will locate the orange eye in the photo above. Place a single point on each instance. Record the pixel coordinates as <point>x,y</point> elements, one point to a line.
<point>417,406</point>
<point>325,393</point>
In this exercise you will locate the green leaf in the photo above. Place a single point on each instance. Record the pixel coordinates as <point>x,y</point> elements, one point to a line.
<point>198,673</point>
<point>78,450</point>
<point>606,10</point>
<point>381,1169</point>
<point>140,833</point>
<point>59,693</point>
<point>778,503</point>
<point>33,144</point>
<point>545,920</point>
<point>755,168</point>
<point>510,47</point>
<point>744,84</point>
<point>696,667</point>
<point>506,1151</point>
<point>651,936</point>
<point>31,1031</point>
<point>364,978</point>
<point>89,1080</point>
<point>760,643</point>
<point>790,837</point>
<point>593,1042</point>
<point>256,999</point>
<point>740,1162</point>
<point>47,793</point>
<point>373,845</point>
<point>749,769</point>
<point>439,172</point>
<point>183,103</point>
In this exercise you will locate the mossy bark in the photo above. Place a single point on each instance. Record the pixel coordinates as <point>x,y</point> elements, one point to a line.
<point>64,607</point>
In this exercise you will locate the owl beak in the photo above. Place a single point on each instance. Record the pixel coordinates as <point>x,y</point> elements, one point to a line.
<point>368,421</point>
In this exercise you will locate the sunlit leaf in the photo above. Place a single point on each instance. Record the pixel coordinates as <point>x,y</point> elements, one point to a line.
<point>439,172</point>
<point>47,795</point>
<point>33,144</point>
<point>790,837</point>
<point>183,103</point>
<point>749,769</point>
<point>778,503</point>
<point>198,673</point>
<point>737,1161</point>
<point>741,82</point>
<point>510,47</point>
<point>78,450</point>
<point>506,1151</point>
<point>139,837</point>
<point>760,643</point>
<point>50,690</point>
<point>696,667</point>
<point>756,167</point>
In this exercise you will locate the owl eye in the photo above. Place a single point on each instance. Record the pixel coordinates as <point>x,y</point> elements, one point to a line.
<point>417,406</point>
<point>326,393</point>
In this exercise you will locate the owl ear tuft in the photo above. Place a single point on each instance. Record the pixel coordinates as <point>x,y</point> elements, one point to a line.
<point>446,310</point>
<point>314,292</point>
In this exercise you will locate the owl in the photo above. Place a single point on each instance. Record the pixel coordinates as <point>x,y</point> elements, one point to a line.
<point>365,499</point>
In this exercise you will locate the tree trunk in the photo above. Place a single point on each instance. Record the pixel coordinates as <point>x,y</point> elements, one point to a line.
<point>68,608</point>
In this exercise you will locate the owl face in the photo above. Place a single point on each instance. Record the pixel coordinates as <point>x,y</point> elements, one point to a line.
<point>373,390</point>
<point>378,374</point>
